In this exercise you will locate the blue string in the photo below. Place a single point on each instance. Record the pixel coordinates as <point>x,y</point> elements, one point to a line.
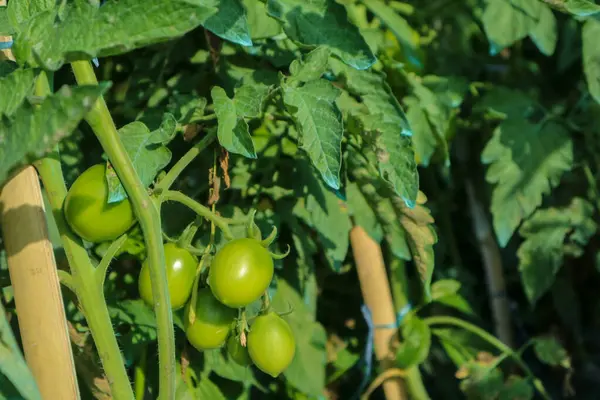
<point>367,360</point>
<point>6,45</point>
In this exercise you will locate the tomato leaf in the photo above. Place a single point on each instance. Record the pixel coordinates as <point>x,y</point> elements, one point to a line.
<point>526,161</point>
<point>21,11</point>
<point>549,235</point>
<point>323,22</point>
<point>307,371</point>
<point>508,21</point>
<point>591,56</point>
<point>262,26</point>
<point>415,343</point>
<point>549,351</point>
<point>33,131</point>
<point>581,8</point>
<point>230,21</point>
<point>218,363</point>
<point>319,122</point>
<point>147,153</point>
<point>233,130</point>
<point>85,31</point>
<point>516,388</point>
<point>362,212</point>
<point>421,236</point>
<point>312,67</point>
<point>15,87</point>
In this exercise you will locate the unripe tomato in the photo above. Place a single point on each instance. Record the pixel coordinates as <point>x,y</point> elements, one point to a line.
<point>240,272</point>
<point>271,344</point>
<point>88,213</point>
<point>237,352</point>
<point>212,324</point>
<point>181,271</point>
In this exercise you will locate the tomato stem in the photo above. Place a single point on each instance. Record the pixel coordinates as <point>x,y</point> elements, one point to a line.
<point>106,259</point>
<point>199,209</point>
<point>148,215</point>
<point>167,181</point>
<point>492,340</point>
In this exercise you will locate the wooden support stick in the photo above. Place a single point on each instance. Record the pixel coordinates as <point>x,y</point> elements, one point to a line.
<point>34,279</point>
<point>377,296</point>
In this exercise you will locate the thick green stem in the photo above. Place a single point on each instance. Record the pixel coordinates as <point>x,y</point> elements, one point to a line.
<point>148,215</point>
<point>84,284</point>
<point>140,375</point>
<point>82,278</point>
<point>491,339</point>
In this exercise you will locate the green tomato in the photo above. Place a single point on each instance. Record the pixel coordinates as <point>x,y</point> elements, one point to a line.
<point>212,324</point>
<point>88,213</point>
<point>271,344</point>
<point>237,352</point>
<point>240,272</point>
<point>181,271</point>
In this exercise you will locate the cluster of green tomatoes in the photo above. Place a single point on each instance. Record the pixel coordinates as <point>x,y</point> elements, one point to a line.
<point>239,274</point>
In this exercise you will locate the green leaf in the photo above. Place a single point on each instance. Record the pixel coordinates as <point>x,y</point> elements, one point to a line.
<point>388,123</point>
<point>312,67</point>
<point>421,236</point>
<point>444,287</point>
<point>581,8</point>
<point>415,343</point>
<point>207,389</point>
<point>425,140</point>
<point>445,292</point>
<point>233,131</point>
<point>323,22</point>
<point>502,103</point>
<point>591,56</point>
<point>15,87</point>
<point>147,153</point>
<point>249,99</point>
<point>544,34</point>
<point>549,351</point>
<point>230,22</point>
<point>516,388</point>
<point>457,345</point>
<point>398,25</point>
<point>226,368</point>
<point>549,234</point>
<point>12,363</point>
<point>86,31</point>
<point>22,10</point>
<point>32,132</point>
<point>319,123</point>
<point>508,21</point>
<point>262,26</point>
<point>363,214</point>
<point>141,323</point>
<point>6,28</point>
<point>526,161</point>
<point>307,371</point>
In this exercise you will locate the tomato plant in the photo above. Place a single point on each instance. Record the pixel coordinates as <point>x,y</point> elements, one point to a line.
<point>181,271</point>
<point>311,189</point>
<point>240,272</point>
<point>88,212</point>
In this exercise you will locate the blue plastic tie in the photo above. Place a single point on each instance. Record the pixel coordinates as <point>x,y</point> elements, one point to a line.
<point>6,45</point>
<point>367,359</point>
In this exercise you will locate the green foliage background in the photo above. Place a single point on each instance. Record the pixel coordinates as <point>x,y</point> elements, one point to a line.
<point>451,131</point>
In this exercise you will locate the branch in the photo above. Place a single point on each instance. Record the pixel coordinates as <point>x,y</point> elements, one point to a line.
<point>148,215</point>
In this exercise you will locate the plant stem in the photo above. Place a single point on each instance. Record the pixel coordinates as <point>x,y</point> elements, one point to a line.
<point>140,375</point>
<point>183,162</point>
<point>84,283</point>
<point>492,340</point>
<point>199,209</point>
<point>148,215</point>
<point>82,280</point>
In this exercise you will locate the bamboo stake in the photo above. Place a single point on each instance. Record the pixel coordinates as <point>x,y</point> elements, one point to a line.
<point>376,292</point>
<point>32,268</point>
